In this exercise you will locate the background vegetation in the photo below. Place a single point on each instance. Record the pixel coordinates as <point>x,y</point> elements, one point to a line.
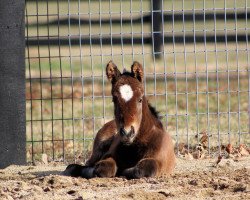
<point>195,87</point>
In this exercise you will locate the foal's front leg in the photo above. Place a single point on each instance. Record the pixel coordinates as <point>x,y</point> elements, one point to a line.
<point>147,167</point>
<point>105,168</point>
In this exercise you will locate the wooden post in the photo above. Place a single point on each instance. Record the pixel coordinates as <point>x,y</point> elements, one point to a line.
<point>156,20</point>
<point>12,83</point>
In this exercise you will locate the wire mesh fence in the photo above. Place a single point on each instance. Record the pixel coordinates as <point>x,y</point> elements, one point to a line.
<point>196,62</point>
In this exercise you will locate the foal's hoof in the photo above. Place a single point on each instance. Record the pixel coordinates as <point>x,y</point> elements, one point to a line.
<point>76,170</point>
<point>105,168</point>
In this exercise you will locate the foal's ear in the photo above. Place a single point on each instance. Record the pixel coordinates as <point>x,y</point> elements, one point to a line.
<point>137,71</point>
<point>112,72</point>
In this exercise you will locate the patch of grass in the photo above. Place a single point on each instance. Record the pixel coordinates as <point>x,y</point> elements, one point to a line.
<point>88,100</point>
<point>73,118</point>
<point>68,97</point>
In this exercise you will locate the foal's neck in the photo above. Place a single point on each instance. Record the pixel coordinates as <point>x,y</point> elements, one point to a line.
<point>149,120</point>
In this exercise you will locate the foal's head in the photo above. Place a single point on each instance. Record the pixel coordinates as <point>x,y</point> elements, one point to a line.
<point>128,97</point>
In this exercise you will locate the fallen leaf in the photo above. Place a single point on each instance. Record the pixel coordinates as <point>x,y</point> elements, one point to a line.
<point>199,147</point>
<point>188,156</point>
<point>182,148</point>
<point>219,159</point>
<point>242,150</point>
<point>238,155</point>
<point>196,154</point>
<point>223,147</point>
<point>204,138</point>
<point>202,156</point>
<point>229,148</point>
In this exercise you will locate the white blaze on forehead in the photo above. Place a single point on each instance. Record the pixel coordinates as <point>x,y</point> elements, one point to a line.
<point>126,92</point>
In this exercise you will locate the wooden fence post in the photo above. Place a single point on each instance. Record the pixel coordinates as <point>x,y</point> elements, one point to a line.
<point>12,83</point>
<point>156,20</point>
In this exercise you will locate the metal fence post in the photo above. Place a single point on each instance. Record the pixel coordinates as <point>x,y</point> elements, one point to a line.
<point>156,20</point>
<point>12,83</point>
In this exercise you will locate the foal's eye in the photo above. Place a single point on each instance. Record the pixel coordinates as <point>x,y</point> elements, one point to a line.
<point>140,100</point>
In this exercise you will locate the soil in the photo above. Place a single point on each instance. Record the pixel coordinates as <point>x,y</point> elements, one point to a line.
<point>192,179</point>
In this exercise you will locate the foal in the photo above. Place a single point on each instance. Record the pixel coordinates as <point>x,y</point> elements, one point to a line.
<point>135,143</point>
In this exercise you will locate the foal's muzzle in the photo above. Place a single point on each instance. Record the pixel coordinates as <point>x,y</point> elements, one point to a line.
<point>123,131</point>
<point>127,135</point>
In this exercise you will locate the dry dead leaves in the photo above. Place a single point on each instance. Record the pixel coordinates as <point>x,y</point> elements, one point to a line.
<point>198,153</point>
<point>200,150</point>
<point>232,152</point>
<point>203,138</point>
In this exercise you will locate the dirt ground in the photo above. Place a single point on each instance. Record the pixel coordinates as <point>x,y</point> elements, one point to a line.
<point>192,179</point>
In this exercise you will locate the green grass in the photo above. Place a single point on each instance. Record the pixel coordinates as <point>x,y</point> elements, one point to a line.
<point>95,109</point>
<point>92,61</point>
<point>98,110</point>
<point>183,104</point>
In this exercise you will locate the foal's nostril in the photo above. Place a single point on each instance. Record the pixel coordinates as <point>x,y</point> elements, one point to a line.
<point>123,132</point>
<point>131,133</point>
<point>132,130</point>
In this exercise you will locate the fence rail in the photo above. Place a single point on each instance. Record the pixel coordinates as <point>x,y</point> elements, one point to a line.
<point>75,40</point>
<point>156,38</point>
<point>142,38</point>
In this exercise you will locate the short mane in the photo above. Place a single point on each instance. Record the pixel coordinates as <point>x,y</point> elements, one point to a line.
<point>154,111</point>
<point>126,73</point>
